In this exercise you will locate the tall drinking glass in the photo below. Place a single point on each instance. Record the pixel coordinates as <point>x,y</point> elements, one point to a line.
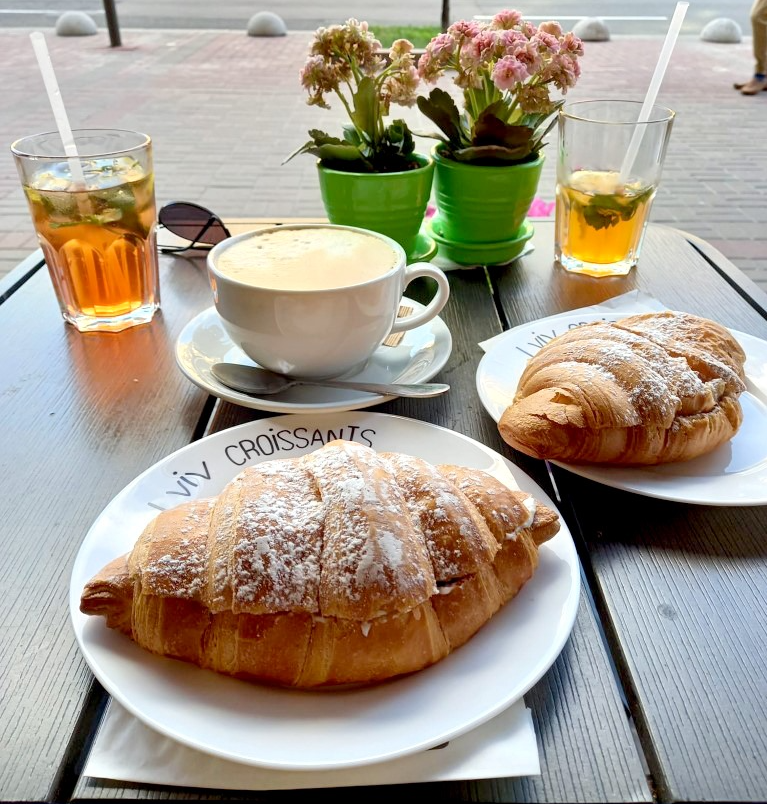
<point>601,215</point>
<point>98,237</point>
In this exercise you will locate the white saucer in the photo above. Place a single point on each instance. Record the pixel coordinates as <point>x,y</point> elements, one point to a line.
<point>421,353</point>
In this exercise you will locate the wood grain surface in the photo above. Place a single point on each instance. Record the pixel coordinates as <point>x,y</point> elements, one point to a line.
<point>680,587</point>
<point>82,415</point>
<point>587,749</point>
<point>678,590</point>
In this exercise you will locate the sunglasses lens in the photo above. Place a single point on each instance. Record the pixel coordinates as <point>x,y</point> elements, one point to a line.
<point>189,221</point>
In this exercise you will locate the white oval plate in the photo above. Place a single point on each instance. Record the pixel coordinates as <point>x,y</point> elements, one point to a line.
<point>300,730</point>
<point>421,353</point>
<point>733,474</point>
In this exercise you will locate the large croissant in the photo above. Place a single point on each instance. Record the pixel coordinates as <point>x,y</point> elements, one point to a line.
<point>647,389</point>
<point>342,566</point>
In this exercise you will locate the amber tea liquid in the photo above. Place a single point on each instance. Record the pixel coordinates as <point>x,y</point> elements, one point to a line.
<point>600,222</point>
<point>99,241</point>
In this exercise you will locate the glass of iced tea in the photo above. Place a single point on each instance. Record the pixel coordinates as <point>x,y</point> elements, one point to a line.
<point>96,224</point>
<point>603,203</point>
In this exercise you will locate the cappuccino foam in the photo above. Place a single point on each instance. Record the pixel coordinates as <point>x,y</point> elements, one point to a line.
<point>307,259</point>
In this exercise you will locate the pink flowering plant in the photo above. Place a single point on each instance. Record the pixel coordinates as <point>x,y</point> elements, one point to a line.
<point>348,61</point>
<point>507,69</point>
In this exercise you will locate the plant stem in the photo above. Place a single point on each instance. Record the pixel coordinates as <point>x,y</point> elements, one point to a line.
<point>348,108</point>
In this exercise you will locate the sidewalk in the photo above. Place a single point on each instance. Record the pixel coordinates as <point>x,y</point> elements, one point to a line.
<point>224,109</point>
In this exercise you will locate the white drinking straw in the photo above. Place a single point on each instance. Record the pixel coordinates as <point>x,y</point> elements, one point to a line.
<point>652,90</point>
<point>57,105</point>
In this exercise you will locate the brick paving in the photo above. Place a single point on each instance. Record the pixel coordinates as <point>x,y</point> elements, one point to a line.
<point>225,109</point>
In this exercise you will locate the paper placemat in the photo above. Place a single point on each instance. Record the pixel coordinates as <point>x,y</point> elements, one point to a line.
<point>127,750</point>
<point>631,303</point>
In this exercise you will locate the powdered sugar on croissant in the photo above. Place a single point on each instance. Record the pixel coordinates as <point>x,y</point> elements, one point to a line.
<point>647,389</point>
<point>342,566</point>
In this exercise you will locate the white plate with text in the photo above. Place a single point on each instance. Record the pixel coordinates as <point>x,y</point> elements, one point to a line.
<point>305,730</point>
<point>735,474</point>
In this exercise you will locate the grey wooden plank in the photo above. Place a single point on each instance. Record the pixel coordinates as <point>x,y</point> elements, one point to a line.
<point>669,269</point>
<point>680,588</point>
<point>587,749</point>
<point>19,275</point>
<point>753,294</point>
<point>82,415</point>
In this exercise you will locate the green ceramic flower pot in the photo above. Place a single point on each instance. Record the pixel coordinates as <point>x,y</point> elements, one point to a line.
<point>483,204</point>
<point>393,204</point>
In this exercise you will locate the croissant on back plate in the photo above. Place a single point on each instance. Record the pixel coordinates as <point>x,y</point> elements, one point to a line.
<point>648,389</point>
<point>343,566</point>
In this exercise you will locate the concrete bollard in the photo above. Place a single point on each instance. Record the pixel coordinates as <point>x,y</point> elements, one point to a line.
<point>75,23</point>
<point>266,23</point>
<point>592,29</point>
<point>722,30</point>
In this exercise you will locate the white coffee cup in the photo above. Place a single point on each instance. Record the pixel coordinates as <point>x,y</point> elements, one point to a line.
<point>316,332</point>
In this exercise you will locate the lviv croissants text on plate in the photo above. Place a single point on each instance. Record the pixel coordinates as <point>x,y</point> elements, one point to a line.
<point>343,566</point>
<point>647,389</point>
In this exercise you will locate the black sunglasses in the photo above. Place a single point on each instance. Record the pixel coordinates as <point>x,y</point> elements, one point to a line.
<point>194,223</point>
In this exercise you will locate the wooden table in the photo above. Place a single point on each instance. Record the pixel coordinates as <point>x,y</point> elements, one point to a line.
<point>660,692</point>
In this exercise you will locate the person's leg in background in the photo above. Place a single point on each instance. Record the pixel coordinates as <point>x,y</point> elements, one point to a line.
<point>759,30</point>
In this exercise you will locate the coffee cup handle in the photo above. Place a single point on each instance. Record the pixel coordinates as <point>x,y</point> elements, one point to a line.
<point>434,307</point>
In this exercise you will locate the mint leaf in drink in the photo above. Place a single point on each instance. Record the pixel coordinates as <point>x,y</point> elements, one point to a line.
<point>600,217</point>
<point>117,205</point>
<point>59,207</point>
<point>604,211</point>
<point>104,219</point>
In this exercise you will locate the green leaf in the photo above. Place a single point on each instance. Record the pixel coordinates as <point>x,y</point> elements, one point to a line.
<point>490,154</point>
<point>495,108</point>
<point>490,130</point>
<point>537,140</point>
<point>326,147</point>
<point>605,210</point>
<point>315,134</point>
<point>600,216</point>
<point>95,220</point>
<point>352,136</point>
<point>391,154</point>
<point>543,126</point>
<point>441,109</point>
<point>321,138</point>
<point>344,153</point>
<point>365,112</point>
<point>399,135</point>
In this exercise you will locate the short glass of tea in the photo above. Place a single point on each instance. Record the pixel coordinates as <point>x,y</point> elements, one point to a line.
<point>608,170</point>
<point>95,223</point>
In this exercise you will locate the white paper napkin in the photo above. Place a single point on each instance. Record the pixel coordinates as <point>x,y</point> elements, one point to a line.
<point>127,750</point>
<point>631,303</point>
<point>441,261</point>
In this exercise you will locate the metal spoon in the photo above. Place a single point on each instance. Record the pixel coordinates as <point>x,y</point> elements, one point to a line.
<point>260,382</point>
